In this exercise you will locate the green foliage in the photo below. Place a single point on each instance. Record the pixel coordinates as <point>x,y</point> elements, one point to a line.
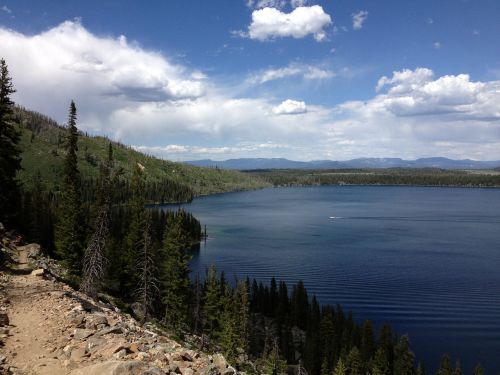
<point>271,362</point>
<point>71,227</point>
<point>340,369</point>
<point>478,370</point>
<point>354,362</point>
<point>41,145</point>
<point>380,365</point>
<point>212,302</point>
<point>445,366</point>
<point>134,241</point>
<point>242,303</point>
<point>229,337</point>
<point>420,369</point>
<point>389,176</point>
<point>94,256</point>
<point>403,357</point>
<point>175,284</point>
<point>10,161</point>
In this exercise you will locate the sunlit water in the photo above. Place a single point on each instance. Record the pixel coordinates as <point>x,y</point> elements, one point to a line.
<point>426,260</point>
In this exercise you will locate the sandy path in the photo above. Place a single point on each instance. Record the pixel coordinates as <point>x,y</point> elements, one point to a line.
<point>34,325</point>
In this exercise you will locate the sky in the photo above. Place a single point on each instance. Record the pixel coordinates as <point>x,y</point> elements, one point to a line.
<point>300,79</point>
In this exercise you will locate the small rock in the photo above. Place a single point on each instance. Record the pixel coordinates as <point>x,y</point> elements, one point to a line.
<point>78,353</point>
<point>95,342</point>
<point>120,354</point>
<point>81,333</point>
<point>220,361</point>
<point>38,272</point>
<point>173,367</point>
<point>114,329</point>
<point>182,356</point>
<point>210,370</point>
<point>229,371</point>
<point>142,356</point>
<point>187,371</point>
<point>110,368</point>
<point>134,347</point>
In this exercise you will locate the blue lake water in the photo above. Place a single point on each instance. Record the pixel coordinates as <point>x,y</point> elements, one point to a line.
<point>426,260</point>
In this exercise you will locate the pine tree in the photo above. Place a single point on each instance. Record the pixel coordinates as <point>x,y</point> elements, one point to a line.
<point>458,368</point>
<point>147,287</point>
<point>70,230</point>
<point>40,211</point>
<point>94,256</point>
<point>403,357</point>
<point>340,369</point>
<point>10,160</point>
<point>478,370</point>
<point>420,369</point>
<point>367,341</point>
<point>354,362</point>
<point>243,306</point>
<point>270,362</point>
<point>229,337</point>
<point>135,232</point>
<point>175,284</point>
<point>380,366</point>
<point>212,302</point>
<point>445,366</point>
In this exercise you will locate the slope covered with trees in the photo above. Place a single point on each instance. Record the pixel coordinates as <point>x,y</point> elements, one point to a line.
<point>42,145</point>
<point>386,176</point>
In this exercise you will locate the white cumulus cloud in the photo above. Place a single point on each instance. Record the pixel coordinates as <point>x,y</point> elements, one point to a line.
<point>358,19</point>
<point>142,98</point>
<point>307,72</point>
<point>271,23</point>
<point>290,107</point>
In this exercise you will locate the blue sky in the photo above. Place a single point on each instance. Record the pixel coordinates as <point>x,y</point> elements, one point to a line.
<point>265,78</point>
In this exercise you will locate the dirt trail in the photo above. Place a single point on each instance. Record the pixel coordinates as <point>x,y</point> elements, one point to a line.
<point>55,330</point>
<point>33,323</point>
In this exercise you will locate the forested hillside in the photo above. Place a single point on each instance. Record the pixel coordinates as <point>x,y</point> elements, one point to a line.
<point>385,176</point>
<point>42,145</point>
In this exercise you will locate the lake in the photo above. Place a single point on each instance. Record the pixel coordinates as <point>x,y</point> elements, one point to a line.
<point>424,259</point>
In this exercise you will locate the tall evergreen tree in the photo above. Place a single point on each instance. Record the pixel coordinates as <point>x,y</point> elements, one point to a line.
<point>147,287</point>
<point>229,337</point>
<point>212,302</point>
<point>134,241</point>
<point>478,370</point>
<point>420,369</point>
<point>445,366</point>
<point>354,363</point>
<point>380,366</point>
<point>340,369</point>
<point>94,255</point>
<point>10,160</point>
<point>175,284</point>
<point>243,306</point>
<point>70,230</point>
<point>403,357</point>
<point>271,362</point>
<point>458,368</point>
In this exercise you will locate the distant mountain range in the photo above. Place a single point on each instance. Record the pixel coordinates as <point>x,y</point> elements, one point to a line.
<point>281,163</point>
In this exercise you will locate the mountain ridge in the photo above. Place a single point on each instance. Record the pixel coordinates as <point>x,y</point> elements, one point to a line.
<point>283,163</point>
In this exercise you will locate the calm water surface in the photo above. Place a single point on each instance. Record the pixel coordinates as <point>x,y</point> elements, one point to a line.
<point>427,260</point>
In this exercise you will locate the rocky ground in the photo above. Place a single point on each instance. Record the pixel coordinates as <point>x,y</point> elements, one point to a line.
<point>48,328</point>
